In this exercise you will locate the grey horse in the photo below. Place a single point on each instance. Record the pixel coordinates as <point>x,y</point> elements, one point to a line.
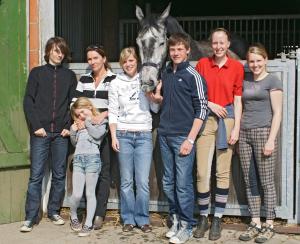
<point>152,43</point>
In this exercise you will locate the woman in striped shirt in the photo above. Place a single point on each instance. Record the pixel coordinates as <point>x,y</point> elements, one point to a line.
<point>94,85</point>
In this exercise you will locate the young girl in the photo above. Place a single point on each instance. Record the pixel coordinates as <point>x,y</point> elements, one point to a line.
<point>86,137</point>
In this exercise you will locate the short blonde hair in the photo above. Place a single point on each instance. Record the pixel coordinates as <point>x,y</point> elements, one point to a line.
<point>259,49</point>
<point>125,53</point>
<point>83,102</point>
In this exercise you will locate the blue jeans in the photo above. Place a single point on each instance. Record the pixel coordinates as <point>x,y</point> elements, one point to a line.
<point>178,178</point>
<point>135,158</point>
<point>87,163</point>
<point>40,149</point>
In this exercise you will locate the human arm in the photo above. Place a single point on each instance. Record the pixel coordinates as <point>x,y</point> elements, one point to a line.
<point>199,100</point>
<point>100,117</point>
<point>234,135</point>
<point>73,134</point>
<point>156,96</point>
<point>276,103</point>
<point>78,91</point>
<point>95,130</point>
<point>40,132</point>
<point>237,102</point>
<point>114,140</point>
<point>71,94</point>
<point>217,109</point>
<point>187,145</point>
<point>65,133</point>
<point>113,111</point>
<point>29,105</point>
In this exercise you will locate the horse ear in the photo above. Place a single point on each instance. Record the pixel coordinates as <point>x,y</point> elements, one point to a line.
<point>139,13</point>
<point>165,14</point>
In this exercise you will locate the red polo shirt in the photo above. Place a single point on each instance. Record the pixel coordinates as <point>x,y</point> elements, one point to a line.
<point>222,83</point>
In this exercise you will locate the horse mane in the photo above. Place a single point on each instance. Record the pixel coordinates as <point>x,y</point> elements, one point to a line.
<point>199,49</point>
<point>173,26</point>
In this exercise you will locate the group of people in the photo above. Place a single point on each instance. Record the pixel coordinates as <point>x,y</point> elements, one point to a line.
<point>203,111</point>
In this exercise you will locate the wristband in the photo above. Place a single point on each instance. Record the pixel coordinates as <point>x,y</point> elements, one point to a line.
<point>190,141</point>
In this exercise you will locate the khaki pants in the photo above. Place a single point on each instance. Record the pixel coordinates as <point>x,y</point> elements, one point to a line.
<point>205,151</point>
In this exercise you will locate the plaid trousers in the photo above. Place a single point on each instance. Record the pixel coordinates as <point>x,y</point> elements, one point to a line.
<point>253,161</point>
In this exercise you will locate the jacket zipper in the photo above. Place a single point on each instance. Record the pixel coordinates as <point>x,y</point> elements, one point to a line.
<point>54,100</point>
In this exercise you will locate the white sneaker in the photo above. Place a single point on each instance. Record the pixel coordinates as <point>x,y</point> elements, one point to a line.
<point>27,226</point>
<point>173,230</point>
<point>182,236</point>
<point>175,226</point>
<point>57,220</point>
<point>85,231</point>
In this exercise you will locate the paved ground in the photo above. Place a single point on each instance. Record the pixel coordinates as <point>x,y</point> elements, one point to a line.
<point>111,233</point>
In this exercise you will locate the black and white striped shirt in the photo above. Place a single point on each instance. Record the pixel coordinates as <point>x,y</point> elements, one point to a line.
<point>99,95</point>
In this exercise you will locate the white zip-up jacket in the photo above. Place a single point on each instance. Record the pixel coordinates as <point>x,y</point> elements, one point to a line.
<point>128,107</point>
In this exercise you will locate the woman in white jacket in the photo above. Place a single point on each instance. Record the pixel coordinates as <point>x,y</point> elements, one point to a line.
<point>130,124</point>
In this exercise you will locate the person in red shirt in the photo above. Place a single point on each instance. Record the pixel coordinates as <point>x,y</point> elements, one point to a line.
<point>224,77</point>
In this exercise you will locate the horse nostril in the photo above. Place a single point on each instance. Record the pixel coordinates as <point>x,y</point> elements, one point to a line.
<point>151,83</point>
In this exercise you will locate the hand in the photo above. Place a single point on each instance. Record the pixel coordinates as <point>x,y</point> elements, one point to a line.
<point>185,148</point>
<point>40,132</point>
<point>269,148</point>
<point>80,124</point>
<point>155,96</point>
<point>65,133</point>
<point>99,118</point>
<point>115,144</point>
<point>234,136</point>
<point>218,110</point>
<point>74,127</point>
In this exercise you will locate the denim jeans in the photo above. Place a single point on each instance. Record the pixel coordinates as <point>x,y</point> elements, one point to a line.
<point>135,158</point>
<point>178,178</point>
<point>87,163</point>
<point>55,146</point>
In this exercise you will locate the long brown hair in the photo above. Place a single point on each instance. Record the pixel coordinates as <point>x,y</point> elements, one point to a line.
<point>59,42</point>
<point>100,51</point>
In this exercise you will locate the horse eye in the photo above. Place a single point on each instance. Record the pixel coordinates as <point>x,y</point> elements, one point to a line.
<point>161,44</point>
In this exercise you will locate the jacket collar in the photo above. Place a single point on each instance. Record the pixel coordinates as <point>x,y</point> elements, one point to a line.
<point>50,66</point>
<point>180,66</point>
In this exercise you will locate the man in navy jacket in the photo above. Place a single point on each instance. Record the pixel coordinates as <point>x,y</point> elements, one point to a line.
<point>48,95</point>
<point>183,110</point>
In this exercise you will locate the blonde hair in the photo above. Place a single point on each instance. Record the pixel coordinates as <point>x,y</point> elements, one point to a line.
<point>258,49</point>
<point>83,102</point>
<point>125,53</point>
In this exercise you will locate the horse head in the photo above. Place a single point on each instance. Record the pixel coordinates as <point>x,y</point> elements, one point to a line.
<point>152,43</point>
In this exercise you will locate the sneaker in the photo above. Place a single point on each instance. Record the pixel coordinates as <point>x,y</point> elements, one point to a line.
<point>146,228</point>
<point>75,225</point>
<point>182,236</point>
<point>215,229</point>
<point>265,234</point>
<point>57,220</point>
<point>98,222</point>
<point>85,231</point>
<point>127,227</point>
<point>26,226</point>
<point>202,227</point>
<point>174,226</point>
<point>250,233</point>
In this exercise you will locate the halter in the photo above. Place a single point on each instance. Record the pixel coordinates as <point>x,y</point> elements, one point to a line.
<point>157,66</point>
